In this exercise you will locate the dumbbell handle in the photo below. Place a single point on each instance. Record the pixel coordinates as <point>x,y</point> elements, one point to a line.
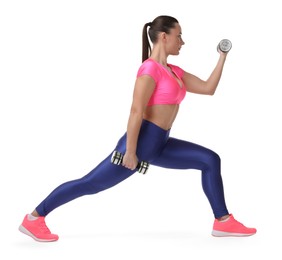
<point>117,157</point>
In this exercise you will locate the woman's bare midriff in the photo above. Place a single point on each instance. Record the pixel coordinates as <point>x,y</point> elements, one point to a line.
<point>161,115</point>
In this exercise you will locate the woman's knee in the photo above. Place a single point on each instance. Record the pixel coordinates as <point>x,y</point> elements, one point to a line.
<point>212,159</point>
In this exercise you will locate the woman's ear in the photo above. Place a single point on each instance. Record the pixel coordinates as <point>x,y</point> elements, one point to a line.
<point>163,36</point>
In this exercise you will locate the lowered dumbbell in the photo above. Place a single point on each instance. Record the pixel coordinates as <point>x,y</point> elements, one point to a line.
<point>117,157</point>
<point>224,45</point>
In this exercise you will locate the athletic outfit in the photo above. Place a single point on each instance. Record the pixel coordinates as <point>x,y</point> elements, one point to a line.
<point>154,146</point>
<point>168,91</point>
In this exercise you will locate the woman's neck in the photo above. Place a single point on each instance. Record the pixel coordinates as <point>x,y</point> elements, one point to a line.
<point>159,55</point>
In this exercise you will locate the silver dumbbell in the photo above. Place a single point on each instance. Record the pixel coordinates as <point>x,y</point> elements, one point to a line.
<point>117,157</point>
<point>224,45</point>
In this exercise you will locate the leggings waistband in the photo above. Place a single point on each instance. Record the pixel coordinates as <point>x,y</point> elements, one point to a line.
<point>152,127</point>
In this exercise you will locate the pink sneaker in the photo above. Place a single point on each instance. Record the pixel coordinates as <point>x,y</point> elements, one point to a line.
<point>231,227</point>
<point>37,229</point>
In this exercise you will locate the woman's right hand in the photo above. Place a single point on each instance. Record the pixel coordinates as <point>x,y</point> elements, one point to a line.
<point>130,161</point>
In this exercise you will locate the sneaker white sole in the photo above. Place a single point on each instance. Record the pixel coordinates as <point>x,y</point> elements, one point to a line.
<point>26,232</point>
<point>216,233</point>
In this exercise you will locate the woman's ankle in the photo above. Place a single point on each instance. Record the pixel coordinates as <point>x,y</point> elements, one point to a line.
<point>224,218</point>
<point>35,214</point>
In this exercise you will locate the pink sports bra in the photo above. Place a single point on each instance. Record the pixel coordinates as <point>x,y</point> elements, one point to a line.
<point>167,90</point>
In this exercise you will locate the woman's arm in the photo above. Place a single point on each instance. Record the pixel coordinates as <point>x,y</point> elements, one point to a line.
<point>143,89</point>
<point>196,85</point>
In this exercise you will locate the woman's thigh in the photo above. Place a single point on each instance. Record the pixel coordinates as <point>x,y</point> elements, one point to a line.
<point>180,154</point>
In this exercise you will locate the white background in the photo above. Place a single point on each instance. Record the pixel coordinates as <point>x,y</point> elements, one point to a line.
<point>66,80</point>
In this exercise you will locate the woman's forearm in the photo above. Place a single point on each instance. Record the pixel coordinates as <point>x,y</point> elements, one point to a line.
<point>213,80</point>
<point>133,128</point>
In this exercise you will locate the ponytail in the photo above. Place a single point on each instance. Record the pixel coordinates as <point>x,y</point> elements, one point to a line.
<point>146,47</point>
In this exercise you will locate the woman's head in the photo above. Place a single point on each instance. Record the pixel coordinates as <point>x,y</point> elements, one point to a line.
<point>161,24</point>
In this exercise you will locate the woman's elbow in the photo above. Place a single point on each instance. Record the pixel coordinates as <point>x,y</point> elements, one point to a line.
<point>210,89</point>
<point>136,112</point>
<point>211,92</point>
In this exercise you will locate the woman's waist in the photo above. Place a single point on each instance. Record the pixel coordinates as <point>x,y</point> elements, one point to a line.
<point>162,115</point>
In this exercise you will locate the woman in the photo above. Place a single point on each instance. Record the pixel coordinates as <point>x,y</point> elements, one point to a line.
<point>159,89</point>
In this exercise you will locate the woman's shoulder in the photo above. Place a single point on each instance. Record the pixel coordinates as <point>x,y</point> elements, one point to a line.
<point>174,66</point>
<point>149,67</point>
<point>149,63</point>
<point>178,70</point>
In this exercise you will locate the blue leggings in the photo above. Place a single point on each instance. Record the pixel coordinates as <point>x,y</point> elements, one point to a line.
<point>156,147</point>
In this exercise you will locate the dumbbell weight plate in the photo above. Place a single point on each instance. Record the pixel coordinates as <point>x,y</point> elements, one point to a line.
<point>116,158</point>
<point>224,45</point>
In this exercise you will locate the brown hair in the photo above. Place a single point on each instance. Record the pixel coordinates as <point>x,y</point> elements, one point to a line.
<point>162,23</point>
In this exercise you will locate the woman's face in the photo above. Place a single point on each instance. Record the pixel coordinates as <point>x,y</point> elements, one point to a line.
<point>174,40</point>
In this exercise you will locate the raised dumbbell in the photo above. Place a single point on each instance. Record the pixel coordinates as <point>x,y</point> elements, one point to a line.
<point>117,157</point>
<point>224,45</point>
